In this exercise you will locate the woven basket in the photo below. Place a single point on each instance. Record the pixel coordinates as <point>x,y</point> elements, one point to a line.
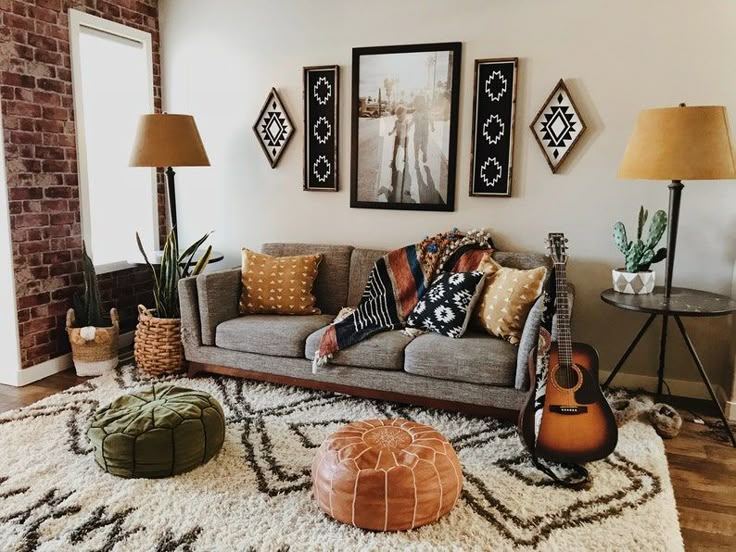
<point>158,348</point>
<point>94,350</point>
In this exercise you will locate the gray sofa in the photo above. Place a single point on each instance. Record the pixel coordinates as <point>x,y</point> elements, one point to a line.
<point>477,373</point>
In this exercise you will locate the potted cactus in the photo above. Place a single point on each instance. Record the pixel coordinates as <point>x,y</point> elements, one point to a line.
<point>636,277</point>
<point>94,342</point>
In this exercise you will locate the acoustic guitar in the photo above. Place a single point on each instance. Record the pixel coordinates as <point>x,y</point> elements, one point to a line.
<point>577,423</point>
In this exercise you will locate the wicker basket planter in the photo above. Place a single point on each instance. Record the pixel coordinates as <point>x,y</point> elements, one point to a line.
<point>158,348</point>
<point>94,350</point>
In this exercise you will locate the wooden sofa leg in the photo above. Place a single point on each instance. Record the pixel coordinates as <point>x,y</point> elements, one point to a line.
<point>194,368</point>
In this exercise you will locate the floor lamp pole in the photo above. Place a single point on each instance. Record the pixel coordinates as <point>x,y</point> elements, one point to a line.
<point>675,187</point>
<point>172,201</point>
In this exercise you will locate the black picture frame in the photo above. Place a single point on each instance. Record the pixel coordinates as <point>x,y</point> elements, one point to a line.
<point>494,113</point>
<point>321,127</point>
<point>426,194</point>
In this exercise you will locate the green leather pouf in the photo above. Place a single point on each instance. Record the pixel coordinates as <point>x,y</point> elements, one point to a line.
<point>158,431</point>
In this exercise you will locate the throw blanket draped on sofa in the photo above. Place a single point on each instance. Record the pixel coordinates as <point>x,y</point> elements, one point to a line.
<point>397,282</point>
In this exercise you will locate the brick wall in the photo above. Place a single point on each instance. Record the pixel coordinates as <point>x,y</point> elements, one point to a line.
<point>40,150</point>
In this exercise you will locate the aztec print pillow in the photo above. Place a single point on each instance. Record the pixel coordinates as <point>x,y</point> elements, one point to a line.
<point>278,285</point>
<point>447,306</point>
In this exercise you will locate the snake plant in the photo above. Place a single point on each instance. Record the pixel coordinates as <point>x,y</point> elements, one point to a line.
<point>173,267</point>
<point>88,304</point>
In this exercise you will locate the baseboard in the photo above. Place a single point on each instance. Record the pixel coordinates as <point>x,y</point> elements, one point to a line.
<point>730,410</point>
<point>681,388</point>
<point>52,366</point>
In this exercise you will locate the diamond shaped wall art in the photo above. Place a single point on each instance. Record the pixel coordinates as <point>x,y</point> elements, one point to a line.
<point>273,128</point>
<point>558,126</point>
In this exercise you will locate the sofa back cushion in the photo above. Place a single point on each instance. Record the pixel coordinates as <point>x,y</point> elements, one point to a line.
<point>278,285</point>
<point>523,260</point>
<point>361,263</point>
<point>331,285</point>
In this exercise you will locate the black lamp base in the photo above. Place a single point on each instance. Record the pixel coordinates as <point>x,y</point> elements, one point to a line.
<point>675,187</point>
<point>171,193</point>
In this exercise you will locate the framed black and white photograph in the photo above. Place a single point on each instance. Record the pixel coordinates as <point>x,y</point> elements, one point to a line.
<point>321,105</point>
<point>494,110</point>
<point>273,128</point>
<point>404,126</point>
<point>558,126</point>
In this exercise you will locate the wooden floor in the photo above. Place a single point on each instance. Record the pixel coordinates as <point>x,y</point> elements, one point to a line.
<point>702,467</point>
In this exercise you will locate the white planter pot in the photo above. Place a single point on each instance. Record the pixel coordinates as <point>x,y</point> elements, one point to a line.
<point>635,283</point>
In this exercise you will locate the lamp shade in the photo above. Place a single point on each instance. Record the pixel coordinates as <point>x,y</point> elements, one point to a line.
<point>168,140</point>
<point>680,143</point>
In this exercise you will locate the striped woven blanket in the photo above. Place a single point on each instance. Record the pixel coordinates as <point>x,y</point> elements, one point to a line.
<point>397,282</point>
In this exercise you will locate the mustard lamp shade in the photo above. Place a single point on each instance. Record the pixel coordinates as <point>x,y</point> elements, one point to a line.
<point>168,140</point>
<point>680,143</point>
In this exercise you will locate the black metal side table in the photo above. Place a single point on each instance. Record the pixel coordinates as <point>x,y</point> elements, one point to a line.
<point>682,303</point>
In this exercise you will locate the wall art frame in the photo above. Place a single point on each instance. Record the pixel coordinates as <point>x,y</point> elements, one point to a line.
<point>273,128</point>
<point>560,124</point>
<point>321,127</point>
<point>404,124</point>
<point>494,113</point>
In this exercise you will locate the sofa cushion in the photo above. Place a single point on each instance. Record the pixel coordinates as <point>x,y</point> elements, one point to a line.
<point>507,298</point>
<point>447,306</point>
<point>331,284</point>
<point>382,351</point>
<point>278,285</point>
<point>269,334</point>
<point>475,358</point>
<point>361,263</point>
<point>523,260</point>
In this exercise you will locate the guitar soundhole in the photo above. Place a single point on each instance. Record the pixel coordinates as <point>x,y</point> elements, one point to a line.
<point>567,378</point>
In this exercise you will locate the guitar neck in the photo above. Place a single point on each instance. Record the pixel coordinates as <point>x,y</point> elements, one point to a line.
<point>564,337</point>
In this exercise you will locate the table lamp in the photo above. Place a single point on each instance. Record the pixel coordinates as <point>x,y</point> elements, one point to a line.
<point>168,140</point>
<point>676,144</point>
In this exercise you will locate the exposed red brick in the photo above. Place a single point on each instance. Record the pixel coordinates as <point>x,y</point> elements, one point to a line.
<point>16,79</point>
<point>39,136</point>
<point>33,300</point>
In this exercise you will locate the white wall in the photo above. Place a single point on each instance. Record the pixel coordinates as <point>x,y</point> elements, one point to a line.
<point>220,58</point>
<point>9,343</point>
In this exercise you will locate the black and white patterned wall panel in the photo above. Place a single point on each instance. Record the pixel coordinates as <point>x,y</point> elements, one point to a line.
<point>273,128</point>
<point>494,107</point>
<point>558,126</point>
<point>321,106</point>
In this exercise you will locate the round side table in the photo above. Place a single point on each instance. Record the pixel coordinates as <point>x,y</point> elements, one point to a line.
<point>682,303</point>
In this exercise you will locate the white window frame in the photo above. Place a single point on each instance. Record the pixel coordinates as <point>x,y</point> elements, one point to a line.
<point>77,21</point>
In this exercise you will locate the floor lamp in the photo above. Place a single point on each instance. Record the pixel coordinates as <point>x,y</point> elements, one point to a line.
<point>168,140</point>
<point>676,144</point>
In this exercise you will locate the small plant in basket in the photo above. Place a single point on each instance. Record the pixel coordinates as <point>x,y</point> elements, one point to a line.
<point>158,348</point>
<point>94,339</point>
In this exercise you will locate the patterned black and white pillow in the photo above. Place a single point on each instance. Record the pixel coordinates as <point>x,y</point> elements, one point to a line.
<point>447,306</point>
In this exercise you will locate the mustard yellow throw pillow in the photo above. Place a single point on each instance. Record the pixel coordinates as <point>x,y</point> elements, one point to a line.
<point>278,285</point>
<point>508,297</point>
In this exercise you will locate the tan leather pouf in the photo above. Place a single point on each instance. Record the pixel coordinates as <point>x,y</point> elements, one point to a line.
<point>386,475</point>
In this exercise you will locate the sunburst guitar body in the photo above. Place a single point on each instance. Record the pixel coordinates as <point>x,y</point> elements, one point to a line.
<point>577,423</point>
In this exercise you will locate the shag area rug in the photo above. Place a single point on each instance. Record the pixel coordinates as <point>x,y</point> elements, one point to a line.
<point>255,494</point>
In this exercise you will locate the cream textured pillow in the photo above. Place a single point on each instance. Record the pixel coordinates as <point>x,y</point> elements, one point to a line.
<point>508,297</point>
<point>278,285</point>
